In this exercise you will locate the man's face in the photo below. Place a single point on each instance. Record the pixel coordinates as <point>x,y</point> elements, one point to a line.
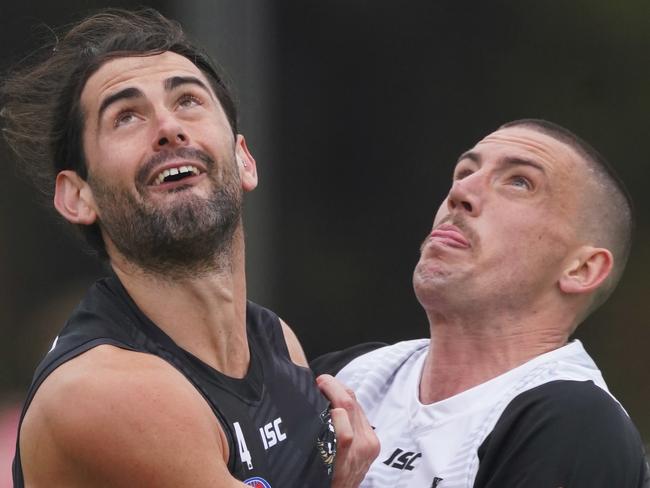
<point>505,230</point>
<point>161,162</point>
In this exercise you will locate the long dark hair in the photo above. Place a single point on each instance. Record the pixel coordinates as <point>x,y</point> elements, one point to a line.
<point>42,118</point>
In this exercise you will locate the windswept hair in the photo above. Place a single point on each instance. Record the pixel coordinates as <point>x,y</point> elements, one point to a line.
<point>42,118</point>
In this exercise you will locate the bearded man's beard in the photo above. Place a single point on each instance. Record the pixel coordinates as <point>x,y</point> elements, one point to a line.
<point>186,237</point>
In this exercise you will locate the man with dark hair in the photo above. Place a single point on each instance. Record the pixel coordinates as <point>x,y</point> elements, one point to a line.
<point>164,375</point>
<point>533,236</point>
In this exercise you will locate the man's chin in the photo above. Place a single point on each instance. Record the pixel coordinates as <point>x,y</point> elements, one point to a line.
<point>177,255</point>
<point>184,201</point>
<point>175,193</point>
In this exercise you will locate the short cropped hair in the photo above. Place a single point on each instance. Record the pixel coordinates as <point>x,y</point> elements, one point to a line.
<point>41,109</point>
<point>611,222</point>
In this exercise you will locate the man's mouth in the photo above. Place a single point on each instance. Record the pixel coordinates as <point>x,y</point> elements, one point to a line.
<point>169,170</point>
<point>449,235</point>
<point>173,174</point>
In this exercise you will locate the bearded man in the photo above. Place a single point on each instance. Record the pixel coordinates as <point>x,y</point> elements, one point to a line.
<point>164,375</point>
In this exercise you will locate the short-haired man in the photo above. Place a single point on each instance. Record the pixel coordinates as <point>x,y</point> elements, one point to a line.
<point>533,236</point>
<point>164,376</point>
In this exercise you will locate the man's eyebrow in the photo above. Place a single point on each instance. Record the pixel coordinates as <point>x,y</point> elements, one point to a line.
<point>508,160</point>
<point>176,81</point>
<point>471,155</point>
<point>518,161</point>
<point>127,93</point>
<point>131,92</point>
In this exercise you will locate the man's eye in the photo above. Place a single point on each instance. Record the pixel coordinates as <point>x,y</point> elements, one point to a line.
<point>521,182</point>
<point>189,101</point>
<point>124,118</point>
<point>463,173</point>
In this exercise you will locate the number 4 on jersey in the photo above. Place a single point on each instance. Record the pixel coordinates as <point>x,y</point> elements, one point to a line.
<point>244,453</point>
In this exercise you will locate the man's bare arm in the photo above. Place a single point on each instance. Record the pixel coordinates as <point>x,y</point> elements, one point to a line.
<point>138,424</point>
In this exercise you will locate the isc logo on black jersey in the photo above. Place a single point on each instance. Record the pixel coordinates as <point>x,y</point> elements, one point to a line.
<point>272,434</point>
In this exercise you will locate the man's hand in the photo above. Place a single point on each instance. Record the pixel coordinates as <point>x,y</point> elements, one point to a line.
<point>356,443</point>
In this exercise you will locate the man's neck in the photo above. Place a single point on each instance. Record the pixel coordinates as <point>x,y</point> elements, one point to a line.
<point>204,314</point>
<point>466,352</point>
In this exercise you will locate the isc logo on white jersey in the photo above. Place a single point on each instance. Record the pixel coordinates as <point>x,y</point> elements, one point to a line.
<point>272,434</point>
<point>401,459</point>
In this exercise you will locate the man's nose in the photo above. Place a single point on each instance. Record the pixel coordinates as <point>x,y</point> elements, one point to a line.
<point>465,195</point>
<point>170,134</point>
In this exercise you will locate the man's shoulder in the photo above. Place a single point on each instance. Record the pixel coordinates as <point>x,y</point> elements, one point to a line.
<point>105,313</point>
<point>362,356</point>
<point>107,382</point>
<point>568,401</point>
<point>107,404</point>
<point>372,375</point>
<point>567,432</point>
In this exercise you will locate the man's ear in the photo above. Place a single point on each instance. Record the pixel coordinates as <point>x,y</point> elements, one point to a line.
<point>73,198</point>
<point>587,270</point>
<point>245,164</point>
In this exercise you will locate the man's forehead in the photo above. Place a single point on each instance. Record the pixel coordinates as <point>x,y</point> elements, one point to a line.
<point>529,143</point>
<point>132,70</point>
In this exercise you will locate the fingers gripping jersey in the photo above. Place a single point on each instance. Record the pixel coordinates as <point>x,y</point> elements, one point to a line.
<point>273,417</point>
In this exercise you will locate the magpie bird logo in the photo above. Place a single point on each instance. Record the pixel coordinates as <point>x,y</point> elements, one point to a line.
<point>326,442</point>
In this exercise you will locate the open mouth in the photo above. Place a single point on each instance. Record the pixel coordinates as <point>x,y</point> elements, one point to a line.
<point>174,174</point>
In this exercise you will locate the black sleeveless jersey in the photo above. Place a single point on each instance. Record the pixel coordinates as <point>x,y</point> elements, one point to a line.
<point>275,419</point>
